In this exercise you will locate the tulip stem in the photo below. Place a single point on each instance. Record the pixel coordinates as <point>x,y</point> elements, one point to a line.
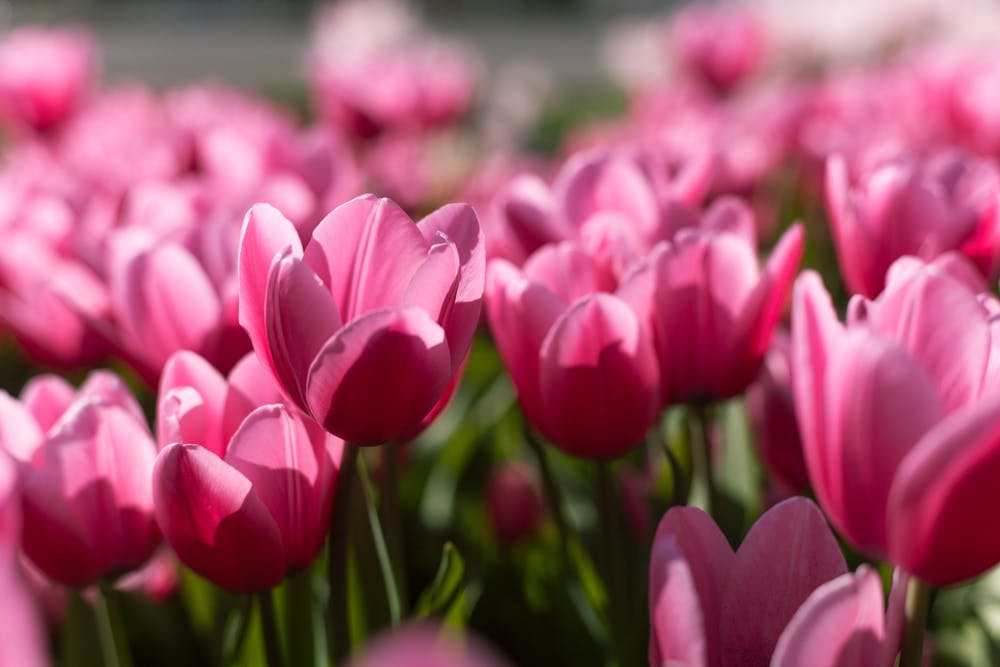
<point>381,550</point>
<point>701,453</point>
<point>613,566</point>
<point>389,504</point>
<point>110,630</point>
<point>918,598</point>
<point>552,492</point>
<point>269,628</point>
<point>338,612</point>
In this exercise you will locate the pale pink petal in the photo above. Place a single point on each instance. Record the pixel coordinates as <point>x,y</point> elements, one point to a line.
<point>249,386</point>
<point>47,397</point>
<point>195,415</point>
<point>20,434</point>
<point>567,271</point>
<point>379,375</point>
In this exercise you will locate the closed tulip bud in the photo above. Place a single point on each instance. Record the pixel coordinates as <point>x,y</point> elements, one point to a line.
<point>514,502</point>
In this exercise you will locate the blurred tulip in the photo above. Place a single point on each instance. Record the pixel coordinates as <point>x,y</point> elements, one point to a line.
<point>771,408</point>
<point>906,207</point>
<point>45,75</point>
<point>580,357</point>
<point>899,413</point>
<point>721,45</point>
<point>711,307</point>
<point>238,476</point>
<point>426,646</point>
<point>711,607</point>
<point>366,328</point>
<point>514,502</point>
<point>87,497</point>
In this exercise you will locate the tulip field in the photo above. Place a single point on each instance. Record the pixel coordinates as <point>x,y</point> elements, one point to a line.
<point>698,366</point>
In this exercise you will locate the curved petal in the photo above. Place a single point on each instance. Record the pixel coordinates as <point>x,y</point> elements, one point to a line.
<point>598,381</point>
<point>265,234</point>
<point>300,317</point>
<point>855,247</point>
<point>248,386</point>
<point>520,313</point>
<point>194,415</point>
<point>107,388</point>
<point>349,251</point>
<point>213,520</point>
<point>787,554</point>
<point>687,571</point>
<point>47,397</point>
<point>458,224</point>
<point>842,624</point>
<point>376,378</point>
<point>284,457</point>
<point>527,211</point>
<point>20,435</point>
<point>567,271</point>
<point>596,181</point>
<point>944,526</point>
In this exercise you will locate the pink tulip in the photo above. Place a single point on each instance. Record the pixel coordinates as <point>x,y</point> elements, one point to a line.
<point>899,413</point>
<point>845,623</point>
<point>426,646</point>
<point>771,408</point>
<point>906,207</point>
<point>88,502</point>
<point>367,326</point>
<point>580,357</point>
<point>240,473</point>
<point>721,45</point>
<point>712,308</point>
<point>44,75</point>
<point>514,502</point>
<point>24,640</point>
<point>710,607</point>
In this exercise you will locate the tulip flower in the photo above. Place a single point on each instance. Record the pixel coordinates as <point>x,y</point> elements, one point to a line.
<point>238,475</point>
<point>899,412</point>
<point>367,326</point>
<point>711,607</point>
<point>721,45</point>
<point>771,408</point>
<point>45,75</point>
<point>514,502</point>
<point>845,623</point>
<point>712,309</point>
<point>426,646</point>
<point>87,497</point>
<point>905,207</point>
<point>579,355</point>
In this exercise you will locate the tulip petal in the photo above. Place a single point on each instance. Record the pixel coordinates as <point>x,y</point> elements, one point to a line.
<point>567,271</point>
<point>265,234</point>
<point>194,414</point>
<point>349,248</point>
<point>20,435</point>
<point>598,380</point>
<point>214,521</point>
<point>47,397</point>
<point>377,377</point>
<point>787,554</point>
<point>842,624</point>
<point>688,567</point>
<point>300,318</point>
<point>944,526</point>
<point>249,385</point>
<point>459,225</point>
<point>855,246</point>
<point>597,181</point>
<point>284,457</point>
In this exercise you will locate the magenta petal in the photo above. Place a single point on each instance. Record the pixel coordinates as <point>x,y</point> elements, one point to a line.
<point>598,382</point>
<point>842,624</point>
<point>249,385</point>
<point>25,642</point>
<point>435,282</point>
<point>596,181</point>
<point>47,397</point>
<point>20,435</point>
<point>687,570</point>
<point>107,388</point>
<point>459,225</point>
<point>214,522</point>
<point>567,271</point>
<point>265,234</point>
<point>945,527</point>
<point>285,458</point>
<point>300,318</point>
<point>349,251</point>
<point>378,376</point>
<point>787,554</point>
<point>520,313</point>
<point>732,215</point>
<point>195,415</point>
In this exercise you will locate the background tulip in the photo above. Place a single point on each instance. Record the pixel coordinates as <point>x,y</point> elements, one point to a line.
<point>366,346</point>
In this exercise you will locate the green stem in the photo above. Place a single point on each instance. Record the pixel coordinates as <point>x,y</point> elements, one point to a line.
<point>389,504</point>
<point>302,639</point>
<point>110,631</point>
<point>338,618</point>
<point>918,598</point>
<point>269,629</point>
<point>701,453</point>
<point>552,492</point>
<point>234,630</point>
<point>613,565</point>
<point>381,551</point>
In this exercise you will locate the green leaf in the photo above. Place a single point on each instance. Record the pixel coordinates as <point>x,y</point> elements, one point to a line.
<point>437,597</point>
